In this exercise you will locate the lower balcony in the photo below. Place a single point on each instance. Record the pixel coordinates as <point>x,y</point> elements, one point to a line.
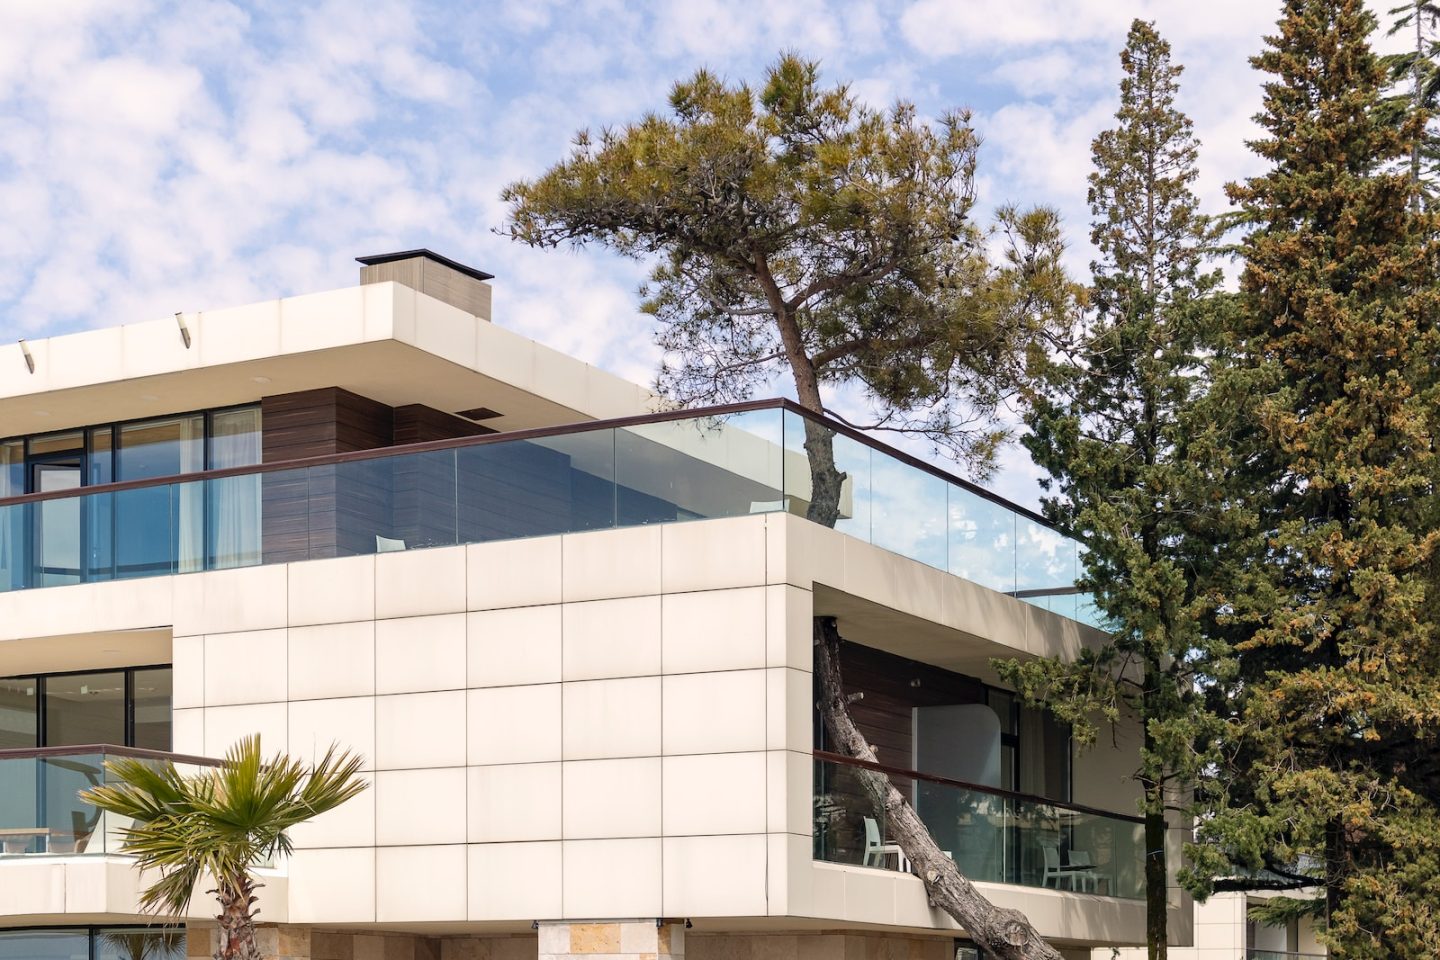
<point>41,813</point>
<point>992,835</point>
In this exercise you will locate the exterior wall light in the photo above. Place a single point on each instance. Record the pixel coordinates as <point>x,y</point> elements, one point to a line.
<point>29,360</point>
<point>184,330</point>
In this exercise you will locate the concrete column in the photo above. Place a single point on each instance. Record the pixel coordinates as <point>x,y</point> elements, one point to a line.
<point>612,940</point>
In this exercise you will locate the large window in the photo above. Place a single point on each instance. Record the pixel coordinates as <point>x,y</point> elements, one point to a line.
<point>93,943</point>
<point>139,532</point>
<point>129,707</point>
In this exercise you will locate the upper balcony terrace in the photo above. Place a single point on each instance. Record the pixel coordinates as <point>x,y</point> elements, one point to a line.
<point>684,465</point>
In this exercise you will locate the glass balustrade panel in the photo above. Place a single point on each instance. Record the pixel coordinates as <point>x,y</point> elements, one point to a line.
<point>997,838</point>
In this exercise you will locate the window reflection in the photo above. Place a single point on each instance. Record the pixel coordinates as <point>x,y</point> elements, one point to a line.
<point>85,708</point>
<point>19,717</point>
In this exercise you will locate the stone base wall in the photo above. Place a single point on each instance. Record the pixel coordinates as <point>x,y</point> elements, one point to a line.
<point>600,940</point>
<point>612,940</point>
<point>817,946</point>
<point>286,942</point>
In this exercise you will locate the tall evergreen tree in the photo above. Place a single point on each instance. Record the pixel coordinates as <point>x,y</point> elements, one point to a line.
<point>1110,430</point>
<point>1331,775</point>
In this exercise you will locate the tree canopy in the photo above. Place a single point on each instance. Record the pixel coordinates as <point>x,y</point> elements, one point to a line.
<point>796,231</point>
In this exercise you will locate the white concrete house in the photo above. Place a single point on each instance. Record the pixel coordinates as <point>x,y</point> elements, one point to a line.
<point>570,633</point>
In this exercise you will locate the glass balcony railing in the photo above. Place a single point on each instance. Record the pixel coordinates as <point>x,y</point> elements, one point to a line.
<point>992,835</point>
<point>40,807</point>
<point>720,462</point>
<point>1254,954</point>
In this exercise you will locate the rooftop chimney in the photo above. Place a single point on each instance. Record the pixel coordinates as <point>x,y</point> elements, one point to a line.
<point>433,275</point>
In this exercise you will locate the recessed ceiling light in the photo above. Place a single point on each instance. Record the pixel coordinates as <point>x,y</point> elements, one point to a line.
<point>261,379</point>
<point>148,396</point>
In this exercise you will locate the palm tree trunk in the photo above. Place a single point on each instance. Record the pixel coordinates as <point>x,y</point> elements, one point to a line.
<point>237,922</point>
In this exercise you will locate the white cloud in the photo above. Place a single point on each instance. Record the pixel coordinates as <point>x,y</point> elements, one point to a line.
<point>159,155</point>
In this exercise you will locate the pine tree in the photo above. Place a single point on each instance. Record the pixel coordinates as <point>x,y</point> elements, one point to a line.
<point>1331,776</point>
<point>1110,429</point>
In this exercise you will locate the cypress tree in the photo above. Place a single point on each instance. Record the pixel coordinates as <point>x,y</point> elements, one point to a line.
<point>1330,777</point>
<point>1110,428</point>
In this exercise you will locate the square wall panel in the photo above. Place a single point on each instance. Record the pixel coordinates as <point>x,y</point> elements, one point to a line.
<point>514,881</point>
<point>612,798</point>
<point>611,563</point>
<point>612,718</point>
<point>420,806</point>
<point>249,667</point>
<point>348,723</point>
<point>417,583</point>
<point>419,654</point>
<point>513,646</point>
<point>416,884</point>
<point>513,573</point>
<point>420,730</point>
<point>224,726</point>
<point>332,660</point>
<point>514,724</point>
<point>332,591</point>
<point>715,876</point>
<point>612,878</point>
<point>332,886</point>
<point>715,712</point>
<point>715,630</point>
<point>611,638</point>
<point>713,554</point>
<point>715,793</point>
<point>352,824</point>
<point>514,802</point>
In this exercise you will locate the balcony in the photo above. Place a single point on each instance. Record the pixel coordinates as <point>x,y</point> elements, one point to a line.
<point>730,461</point>
<point>40,809</point>
<point>993,836</point>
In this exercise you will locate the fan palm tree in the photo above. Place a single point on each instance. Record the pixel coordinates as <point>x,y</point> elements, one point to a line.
<point>221,822</point>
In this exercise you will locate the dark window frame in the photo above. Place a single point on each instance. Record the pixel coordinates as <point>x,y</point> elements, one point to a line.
<point>41,725</point>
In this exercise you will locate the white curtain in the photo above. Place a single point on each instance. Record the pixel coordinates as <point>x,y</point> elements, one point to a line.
<point>191,506</point>
<point>235,501</point>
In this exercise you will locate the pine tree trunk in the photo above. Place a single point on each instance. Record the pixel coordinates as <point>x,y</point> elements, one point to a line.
<point>1001,933</point>
<point>826,479</point>
<point>1157,934</point>
<point>237,924</point>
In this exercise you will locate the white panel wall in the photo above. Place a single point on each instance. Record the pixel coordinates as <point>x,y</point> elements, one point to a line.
<point>610,724</point>
<point>594,725</point>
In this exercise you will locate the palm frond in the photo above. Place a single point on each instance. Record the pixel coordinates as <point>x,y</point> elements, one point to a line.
<point>219,821</point>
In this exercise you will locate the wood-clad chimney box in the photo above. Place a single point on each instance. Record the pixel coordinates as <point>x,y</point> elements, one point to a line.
<point>433,275</point>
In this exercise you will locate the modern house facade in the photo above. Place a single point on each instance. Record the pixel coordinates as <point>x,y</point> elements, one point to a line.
<point>569,630</point>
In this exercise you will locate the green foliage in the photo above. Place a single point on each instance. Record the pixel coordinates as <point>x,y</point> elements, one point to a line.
<point>1111,426</point>
<point>1324,414</point>
<point>795,230</point>
<point>218,822</point>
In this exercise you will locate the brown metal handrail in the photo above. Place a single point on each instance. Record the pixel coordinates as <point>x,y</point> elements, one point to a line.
<point>537,433</point>
<point>840,758</point>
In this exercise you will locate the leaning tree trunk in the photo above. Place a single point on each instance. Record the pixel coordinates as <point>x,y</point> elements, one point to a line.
<point>237,923</point>
<point>1002,933</point>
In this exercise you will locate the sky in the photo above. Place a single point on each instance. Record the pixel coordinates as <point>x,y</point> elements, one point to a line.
<point>158,157</point>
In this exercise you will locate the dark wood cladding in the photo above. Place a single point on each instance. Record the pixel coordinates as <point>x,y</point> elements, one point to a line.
<point>893,686</point>
<point>417,423</point>
<point>322,512</point>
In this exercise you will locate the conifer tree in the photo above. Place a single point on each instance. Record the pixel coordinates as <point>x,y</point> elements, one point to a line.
<point>1330,776</point>
<point>1110,429</point>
